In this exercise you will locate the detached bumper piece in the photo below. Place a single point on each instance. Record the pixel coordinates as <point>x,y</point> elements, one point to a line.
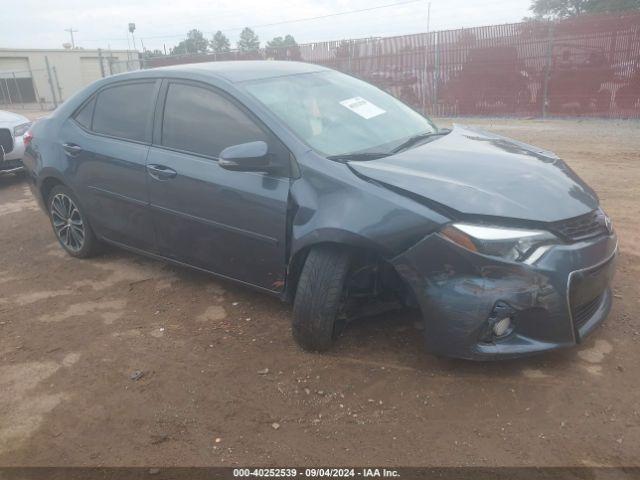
<point>481,308</point>
<point>10,166</point>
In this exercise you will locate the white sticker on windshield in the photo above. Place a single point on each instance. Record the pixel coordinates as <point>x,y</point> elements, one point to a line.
<point>362,107</point>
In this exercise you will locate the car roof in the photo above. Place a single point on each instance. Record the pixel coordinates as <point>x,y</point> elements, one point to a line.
<point>12,117</point>
<point>245,70</point>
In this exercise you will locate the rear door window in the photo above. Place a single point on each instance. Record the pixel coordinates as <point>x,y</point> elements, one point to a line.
<point>201,121</point>
<point>125,111</point>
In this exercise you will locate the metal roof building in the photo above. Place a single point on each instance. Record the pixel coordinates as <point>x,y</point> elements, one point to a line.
<point>49,76</point>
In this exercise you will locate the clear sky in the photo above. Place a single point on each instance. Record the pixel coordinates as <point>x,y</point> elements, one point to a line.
<point>103,23</point>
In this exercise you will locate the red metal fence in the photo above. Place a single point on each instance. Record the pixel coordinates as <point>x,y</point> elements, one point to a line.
<point>586,66</point>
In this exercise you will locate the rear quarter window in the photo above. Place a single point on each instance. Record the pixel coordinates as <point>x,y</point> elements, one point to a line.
<point>85,114</point>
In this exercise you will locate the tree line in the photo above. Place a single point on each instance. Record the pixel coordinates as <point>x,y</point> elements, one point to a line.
<point>196,42</point>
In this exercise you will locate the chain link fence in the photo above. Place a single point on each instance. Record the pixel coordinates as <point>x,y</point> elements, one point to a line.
<point>113,67</point>
<point>29,89</point>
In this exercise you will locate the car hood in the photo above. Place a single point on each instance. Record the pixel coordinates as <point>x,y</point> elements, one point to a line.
<point>479,173</point>
<point>10,119</point>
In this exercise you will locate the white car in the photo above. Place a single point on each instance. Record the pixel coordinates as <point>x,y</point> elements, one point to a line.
<point>12,129</point>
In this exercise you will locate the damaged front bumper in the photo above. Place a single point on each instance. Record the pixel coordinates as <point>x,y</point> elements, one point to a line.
<point>552,303</point>
<point>11,161</point>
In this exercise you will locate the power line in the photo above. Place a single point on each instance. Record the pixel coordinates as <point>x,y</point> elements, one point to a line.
<point>306,19</point>
<point>330,15</point>
<point>492,4</point>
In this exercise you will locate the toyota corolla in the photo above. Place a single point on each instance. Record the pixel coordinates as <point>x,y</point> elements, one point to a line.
<point>323,190</point>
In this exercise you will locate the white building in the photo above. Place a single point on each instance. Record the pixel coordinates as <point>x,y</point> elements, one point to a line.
<point>25,76</point>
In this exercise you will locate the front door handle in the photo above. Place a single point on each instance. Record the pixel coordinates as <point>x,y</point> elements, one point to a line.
<point>71,149</point>
<point>160,172</point>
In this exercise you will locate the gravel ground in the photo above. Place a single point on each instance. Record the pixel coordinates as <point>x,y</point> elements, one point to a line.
<point>223,383</point>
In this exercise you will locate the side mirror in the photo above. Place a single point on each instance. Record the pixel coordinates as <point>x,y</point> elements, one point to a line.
<point>246,157</point>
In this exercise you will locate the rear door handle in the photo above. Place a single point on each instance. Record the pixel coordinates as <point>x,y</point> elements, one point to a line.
<point>160,172</point>
<point>71,149</point>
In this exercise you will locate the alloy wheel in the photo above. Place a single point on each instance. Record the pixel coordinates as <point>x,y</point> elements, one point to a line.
<point>67,222</point>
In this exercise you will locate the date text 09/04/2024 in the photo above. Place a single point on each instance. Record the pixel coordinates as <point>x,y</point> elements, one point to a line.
<point>315,473</point>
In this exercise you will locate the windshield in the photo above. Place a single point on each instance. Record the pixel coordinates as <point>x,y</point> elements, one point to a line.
<point>337,114</point>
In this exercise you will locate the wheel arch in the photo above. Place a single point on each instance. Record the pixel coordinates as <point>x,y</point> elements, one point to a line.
<point>357,244</point>
<point>48,184</point>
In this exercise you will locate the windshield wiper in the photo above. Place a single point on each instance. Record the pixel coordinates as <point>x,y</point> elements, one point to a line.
<point>411,141</point>
<point>358,156</point>
<point>345,157</point>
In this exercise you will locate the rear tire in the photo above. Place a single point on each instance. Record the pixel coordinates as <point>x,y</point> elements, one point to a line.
<point>70,224</point>
<point>319,297</point>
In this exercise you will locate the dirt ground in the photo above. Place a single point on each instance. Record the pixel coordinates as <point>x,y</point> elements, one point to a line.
<point>73,331</point>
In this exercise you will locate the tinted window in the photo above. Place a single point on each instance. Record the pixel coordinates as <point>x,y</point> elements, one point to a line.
<point>83,117</point>
<point>125,111</point>
<point>201,121</point>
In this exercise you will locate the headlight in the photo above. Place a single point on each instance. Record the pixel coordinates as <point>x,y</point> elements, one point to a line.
<point>608,223</point>
<point>513,244</point>
<point>21,129</point>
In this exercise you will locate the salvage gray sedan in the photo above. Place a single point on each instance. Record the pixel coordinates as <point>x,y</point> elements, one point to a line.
<point>327,192</point>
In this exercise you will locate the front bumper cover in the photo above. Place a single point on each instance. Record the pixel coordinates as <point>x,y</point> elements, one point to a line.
<point>18,149</point>
<point>12,162</point>
<point>457,291</point>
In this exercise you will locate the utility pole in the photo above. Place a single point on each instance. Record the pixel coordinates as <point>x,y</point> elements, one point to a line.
<point>71,32</point>
<point>428,15</point>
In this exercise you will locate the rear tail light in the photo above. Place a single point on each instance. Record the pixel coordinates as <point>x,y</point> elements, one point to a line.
<point>27,137</point>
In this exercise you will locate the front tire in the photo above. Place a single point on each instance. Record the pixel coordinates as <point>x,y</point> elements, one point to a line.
<point>70,224</point>
<point>319,296</point>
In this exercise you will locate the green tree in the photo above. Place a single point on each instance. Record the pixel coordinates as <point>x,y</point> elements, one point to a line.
<point>220,43</point>
<point>194,43</point>
<point>552,9</point>
<point>283,48</point>
<point>279,42</point>
<point>249,41</point>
